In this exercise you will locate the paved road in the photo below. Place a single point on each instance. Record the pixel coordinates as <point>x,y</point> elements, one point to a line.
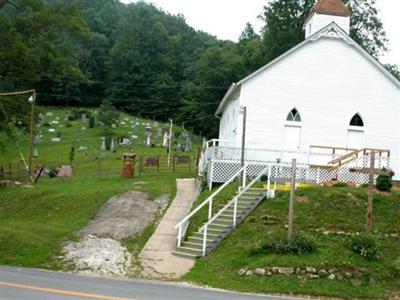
<point>21,284</point>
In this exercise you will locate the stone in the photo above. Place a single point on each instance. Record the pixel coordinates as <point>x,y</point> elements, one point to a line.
<point>323,273</point>
<point>286,271</point>
<point>49,114</point>
<point>55,140</point>
<point>268,274</point>
<point>52,130</point>
<point>249,273</point>
<point>332,276</point>
<point>242,272</point>
<point>54,122</point>
<point>371,281</point>
<point>339,277</point>
<point>311,270</point>
<point>331,271</point>
<point>83,148</point>
<point>36,153</point>
<point>313,276</point>
<point>348,275</point>
<point>298,271</point>
<point>275,270</point>
<point>260,271</point>
<point>65,171</point>
<point>356,282</point>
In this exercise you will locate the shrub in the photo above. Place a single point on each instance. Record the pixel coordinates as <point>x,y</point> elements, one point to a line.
<point>91,122</point>
<point>298,245</point>
<point>264,178</point>
<point>367,246</point>
<point>396,266</point>
<point>384,183</point>
<point>341,184</point>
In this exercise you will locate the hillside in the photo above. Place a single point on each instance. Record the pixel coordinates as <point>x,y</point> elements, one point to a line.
<point>331,215</point>
<point>36,221</point>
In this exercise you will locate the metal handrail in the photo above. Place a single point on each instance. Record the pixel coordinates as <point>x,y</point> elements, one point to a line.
<point>205,202</point>
<point>244,190</point>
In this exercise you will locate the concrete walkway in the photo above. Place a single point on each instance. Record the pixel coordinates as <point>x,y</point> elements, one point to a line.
<point>156,258</point>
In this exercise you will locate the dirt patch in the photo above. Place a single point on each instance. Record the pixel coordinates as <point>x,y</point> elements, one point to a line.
<point>99,251</point>
<point>125,216</point>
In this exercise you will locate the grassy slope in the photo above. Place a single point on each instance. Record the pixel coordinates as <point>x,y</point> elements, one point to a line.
<point>319,207</point>
<point>35,222</point>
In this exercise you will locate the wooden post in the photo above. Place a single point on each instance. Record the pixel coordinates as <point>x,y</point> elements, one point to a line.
<point>292,200</point>
<point>370,192</point>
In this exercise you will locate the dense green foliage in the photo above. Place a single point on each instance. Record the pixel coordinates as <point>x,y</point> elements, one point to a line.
<point>298,245</point>
<point>367,246</point>
<point>384,183</point>
<point>143,59</point>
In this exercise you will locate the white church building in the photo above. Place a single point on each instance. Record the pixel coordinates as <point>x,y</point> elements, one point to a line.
<point>326,102</point>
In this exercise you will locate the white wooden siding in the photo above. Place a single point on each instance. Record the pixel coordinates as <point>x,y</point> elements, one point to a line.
<point>328,81</point>
<point>319,21</point>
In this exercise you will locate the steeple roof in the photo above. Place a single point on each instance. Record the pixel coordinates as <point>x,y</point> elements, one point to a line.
<point>332,7</point>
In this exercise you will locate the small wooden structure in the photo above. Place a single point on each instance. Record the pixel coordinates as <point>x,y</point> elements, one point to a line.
<point>129,164</point>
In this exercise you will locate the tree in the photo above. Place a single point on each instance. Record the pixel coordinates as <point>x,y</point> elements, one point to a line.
<point>284,20</point>
<point>394,69</point>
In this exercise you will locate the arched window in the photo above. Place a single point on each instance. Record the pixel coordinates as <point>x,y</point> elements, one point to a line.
<point>357,121</point>
<point>294,116</point>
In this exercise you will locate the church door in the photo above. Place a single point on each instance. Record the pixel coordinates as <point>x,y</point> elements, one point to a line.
<point>355,139</point>
<point>292,138</point>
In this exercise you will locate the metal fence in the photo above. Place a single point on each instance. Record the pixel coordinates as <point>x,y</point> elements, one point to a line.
<point>163,164</point>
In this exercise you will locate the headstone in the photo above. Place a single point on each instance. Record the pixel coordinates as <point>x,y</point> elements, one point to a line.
<point>58,118</point>
<point>35,153</point>
<point>66,117</point>
<point>54,122</point>
<point>65,171</point>
<point>83,148</point>
<point>37,139</point>
<point>52,130</point>
<point>103,144</point>
<point>83,118</point>
<point>83,129</point>
<point>49,114</point>
<point>125,142</point>
<point>122,123</point>
<point>113,146</point>
<point>114,126</point>
<point>134,137</point>
<point>55,140</point>
<point>166,140</point>
<point>148,140</point>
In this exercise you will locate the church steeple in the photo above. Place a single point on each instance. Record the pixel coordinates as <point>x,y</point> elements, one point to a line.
<point>326,12</point>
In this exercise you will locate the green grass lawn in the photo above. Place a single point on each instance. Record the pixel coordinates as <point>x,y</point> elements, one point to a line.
<point>34,222</point>
<point>317,208</point>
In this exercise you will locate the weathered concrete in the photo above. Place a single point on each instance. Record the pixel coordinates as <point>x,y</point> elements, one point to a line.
<point>156,257</point>
<point>125,216</point>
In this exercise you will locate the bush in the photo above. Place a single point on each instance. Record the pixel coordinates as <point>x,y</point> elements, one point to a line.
<point>341,184</point>
<point>396,266</point>
<point>91,122</point>
<point>367,246</point>
<point>264,178</point>
<point>298,245</point>
<point>384,183</point>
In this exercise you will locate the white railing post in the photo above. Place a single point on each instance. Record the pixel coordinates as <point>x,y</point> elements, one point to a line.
<point>211,175</point>
<point>210,204</point>
<point>180,236</point>
<point>205,241</point>
<point>244,176</point>
<point>269,180</point>
<point>235,211</point>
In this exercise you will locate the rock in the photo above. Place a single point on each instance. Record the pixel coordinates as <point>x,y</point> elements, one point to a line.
<point>326,232</point>
<point>314,276</point>
<point>332,276</point>
<point>323,273</point>
<point>331,271</point>
<point>356,282</point>
<point>348,275</point>
<point>372,281</point>
<point>268,273</point>
<point>341,233</point>
<point>286,271</point>
<point>260,271</point>
<point>339,277</point>
<point>249,273</point>
<point>311,270</point>
<point>242,272</point>
<point>275,270</point>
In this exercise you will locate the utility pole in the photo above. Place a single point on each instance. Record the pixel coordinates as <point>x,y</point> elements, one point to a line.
<point>292,200</point>
<point>244,112</point>
<point>370,192</point>
<point>170,142</point>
